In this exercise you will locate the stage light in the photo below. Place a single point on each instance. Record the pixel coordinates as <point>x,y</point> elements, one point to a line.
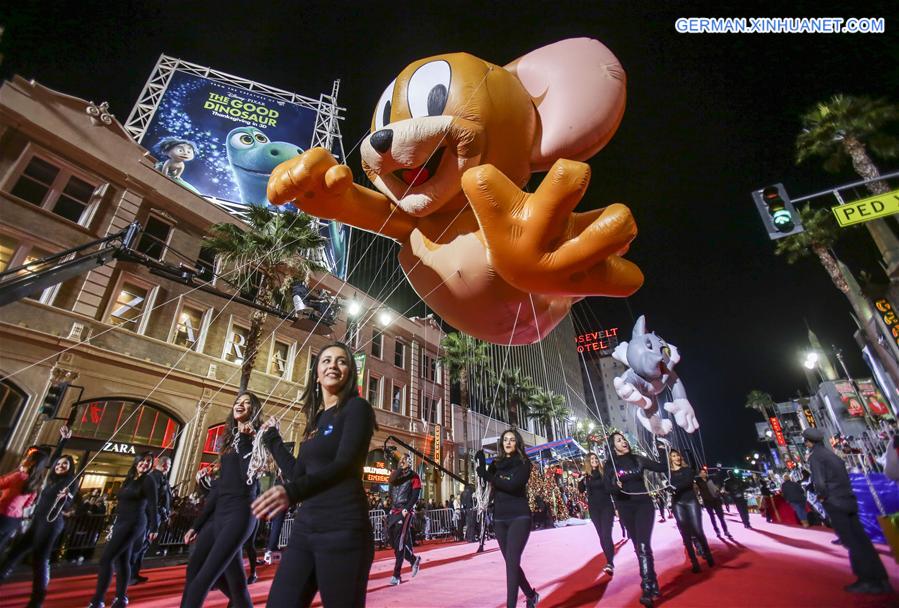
<point>385,318</point>
<point>354,308</point>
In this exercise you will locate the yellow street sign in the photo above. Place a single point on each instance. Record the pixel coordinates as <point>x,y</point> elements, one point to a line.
<point>867,209</point>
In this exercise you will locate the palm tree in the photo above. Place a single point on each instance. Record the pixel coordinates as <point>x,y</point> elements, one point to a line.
<point>547,407</point>
<point>270,253</point>
<point>820,234</point>
<point>759,401</point>
<point>848,128</point>
<point>517,389</point>
<point>459,354</point>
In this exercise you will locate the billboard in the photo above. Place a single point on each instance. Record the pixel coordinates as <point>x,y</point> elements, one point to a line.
<point>222,140</point>
<point>874,399</point>
<point>849,397</point>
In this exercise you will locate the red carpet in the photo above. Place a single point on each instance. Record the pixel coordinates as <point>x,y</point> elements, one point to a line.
<point>771,566</point>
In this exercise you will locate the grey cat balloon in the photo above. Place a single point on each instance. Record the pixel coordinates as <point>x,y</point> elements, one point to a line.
<point>651,363</point>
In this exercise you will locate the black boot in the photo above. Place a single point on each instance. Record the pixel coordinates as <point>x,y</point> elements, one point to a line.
<point>653,581</point>
<point>647,574</point>
<point>120,602</point>
<point>707,553</point>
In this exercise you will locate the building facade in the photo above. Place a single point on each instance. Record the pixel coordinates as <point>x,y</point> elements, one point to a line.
<point>154,363</point>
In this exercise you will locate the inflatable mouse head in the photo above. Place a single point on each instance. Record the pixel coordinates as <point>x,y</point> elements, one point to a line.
<point>445,114</point>
<point>650,356</point>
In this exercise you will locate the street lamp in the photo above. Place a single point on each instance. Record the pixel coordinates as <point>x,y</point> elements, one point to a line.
<point>385,318</point>
<point>354,308</point>
<point>755,455</point>
<point>811,360</point>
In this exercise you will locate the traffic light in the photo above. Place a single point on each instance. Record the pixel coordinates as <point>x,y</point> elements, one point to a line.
<point>55,394</point>
<point>778,214</point>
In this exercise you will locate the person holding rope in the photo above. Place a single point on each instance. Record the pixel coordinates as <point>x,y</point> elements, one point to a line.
<point>227,520</point>
<point>509,473</point>
<point>47,524</point>
<point>134,520</point>
<point>687,512</point>
<point>405,488</point>
<point>624,480</point>
<point>331,546</point>
<point>602,511</point>
<point>163,506</point>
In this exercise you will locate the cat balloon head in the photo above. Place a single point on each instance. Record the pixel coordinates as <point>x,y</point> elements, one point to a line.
<point>650,356</point>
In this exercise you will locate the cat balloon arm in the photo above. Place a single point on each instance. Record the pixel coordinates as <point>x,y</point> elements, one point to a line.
<point>626,385</point>
<point>653,423</point>
<point>316,183</point>
<point>681,408</point>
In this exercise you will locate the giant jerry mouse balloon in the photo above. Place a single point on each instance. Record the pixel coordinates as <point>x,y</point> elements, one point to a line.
<point>453,139</point>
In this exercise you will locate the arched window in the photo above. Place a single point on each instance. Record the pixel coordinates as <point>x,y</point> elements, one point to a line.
<point>137,423</point>
<point>12,401</point>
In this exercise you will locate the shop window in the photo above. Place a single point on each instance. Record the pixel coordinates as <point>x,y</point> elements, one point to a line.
<point>189,327</point>
<point>155,238</point>
<point>279,363</point>
<point>374,391</point>
<point>129,422</point>
<point>214,437</point>
<point>55,187</point>
<point>12,399</point>
<point>128,309</point>
<point>398,400</point>
<point>399,354</point>
<point>235,346</point>
<point>377,344</point>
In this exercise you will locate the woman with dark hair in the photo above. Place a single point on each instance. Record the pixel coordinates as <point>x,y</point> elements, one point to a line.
<point>624,480</point>
<point>18,491</point>
<point>687,512</point>
<point>602,511</point>
<point>331,546</point>
<point>509,473</point>
<point>133,520</point>
<point>47,523</point>
<point>227,521</point>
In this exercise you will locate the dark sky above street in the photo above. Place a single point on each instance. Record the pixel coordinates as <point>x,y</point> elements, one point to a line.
<point>709,119</point>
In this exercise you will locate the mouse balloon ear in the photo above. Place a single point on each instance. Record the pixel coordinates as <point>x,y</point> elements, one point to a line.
<point>578,86</point>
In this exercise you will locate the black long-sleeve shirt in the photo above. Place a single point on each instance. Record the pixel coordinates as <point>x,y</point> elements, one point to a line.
<point>285,460</point>
<point>231,483</point>
<point>628,470</point>
<point>327,476</point>
<point>682,482</point>
<point>133,498</point>
<point>509,477</point>
<point>598,496</point>
<point>831,481</point>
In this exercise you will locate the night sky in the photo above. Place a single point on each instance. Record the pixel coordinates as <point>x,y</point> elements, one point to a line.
<point>709,119</point>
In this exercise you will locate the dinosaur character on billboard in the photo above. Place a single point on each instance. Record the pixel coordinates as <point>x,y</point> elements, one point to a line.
<point>454,138</point>
<point>252,157</point>
<point>651,363</point>
<point>177,152</point>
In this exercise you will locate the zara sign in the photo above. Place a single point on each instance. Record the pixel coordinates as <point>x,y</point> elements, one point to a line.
<point>119,448</point>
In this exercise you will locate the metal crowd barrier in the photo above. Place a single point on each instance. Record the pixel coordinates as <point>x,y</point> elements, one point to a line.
<point>81,535</point>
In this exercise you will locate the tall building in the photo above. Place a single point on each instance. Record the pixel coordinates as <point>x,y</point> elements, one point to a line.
<point>154,363</point>
<point>613,411</point>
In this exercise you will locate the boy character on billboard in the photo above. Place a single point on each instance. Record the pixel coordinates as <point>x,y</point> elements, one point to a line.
<point>177,151</point>
<point>252,157</point>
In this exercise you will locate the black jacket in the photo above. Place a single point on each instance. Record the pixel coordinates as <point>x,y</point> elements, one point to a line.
<point>792,491</point>
<point>405,489</point>
<point>831,481</point>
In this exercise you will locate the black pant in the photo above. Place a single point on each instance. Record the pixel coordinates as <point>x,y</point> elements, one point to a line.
<point>336,564</point>
<point>863,558</point>
<point>125,532</point>
<point>250,548</point>
<point>714,510</point>
<point>400,530</point>
<point>603,519</point>
<point>39,539</point>
<point>512,535</point>
<point>9,527</point>
<point>217,554</point>
<point>688,516</point>
<point>638,517</point>
<point>274,533</point>
<point>141,545</point>
<point>742,509</point>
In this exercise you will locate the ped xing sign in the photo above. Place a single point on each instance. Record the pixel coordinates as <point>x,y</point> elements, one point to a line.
<point>867,209</point>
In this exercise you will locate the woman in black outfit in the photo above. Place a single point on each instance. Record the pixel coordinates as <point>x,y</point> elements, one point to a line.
<point>133,520</point>
<point>47,523</point>
<point>602,511</point>
<point>624,479</point>
<point>509,473</point>
<point>331,546</point>
<point>687,512</point>
<point>226,521</point>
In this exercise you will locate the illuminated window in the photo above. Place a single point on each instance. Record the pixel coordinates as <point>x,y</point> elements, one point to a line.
<point>236,345</point>
<point>189,327</point>
<point>374,391</point>
<point>7,249</point>
<point>55,188</point>
<point>129,307</point>
<point>155,238</point>
<point>131,421</point>
<point>398,400</point>
<point>214,436</point>
<point>279,364</point>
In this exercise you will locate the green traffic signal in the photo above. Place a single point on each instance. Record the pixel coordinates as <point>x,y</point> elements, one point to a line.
<point>780,216</point>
